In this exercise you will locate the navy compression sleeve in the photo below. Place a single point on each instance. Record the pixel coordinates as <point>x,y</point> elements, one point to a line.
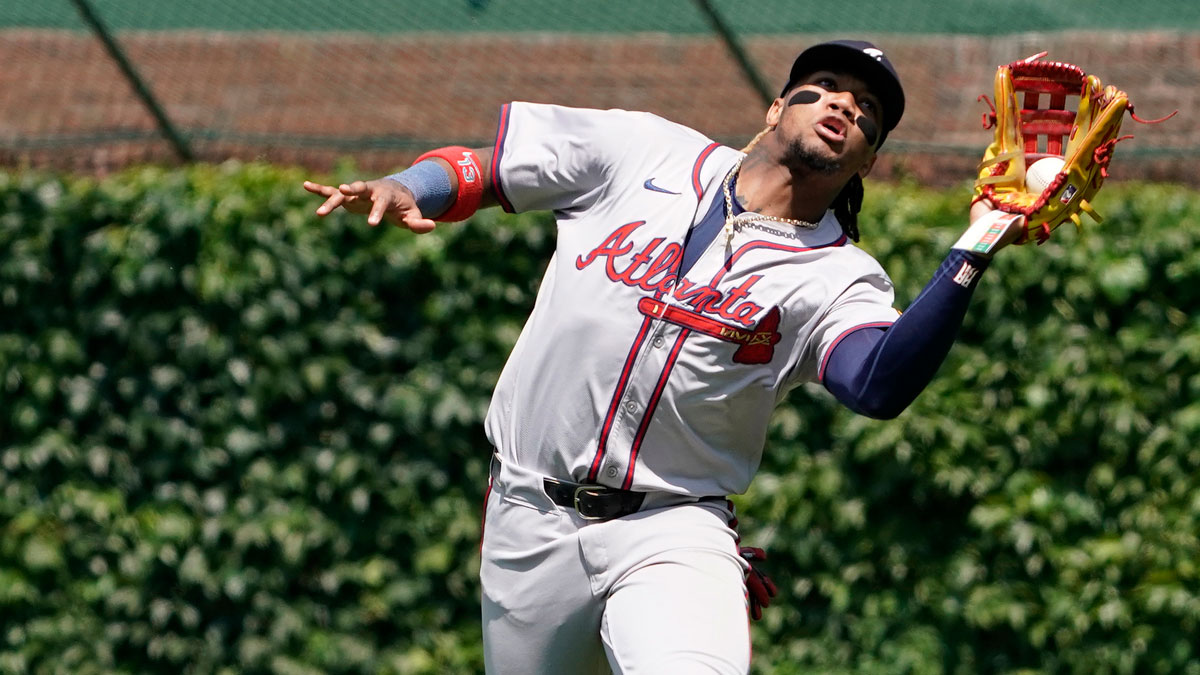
<point>877,372</point>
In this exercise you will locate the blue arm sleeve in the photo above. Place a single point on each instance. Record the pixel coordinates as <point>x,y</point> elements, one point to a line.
<point>877,372</point>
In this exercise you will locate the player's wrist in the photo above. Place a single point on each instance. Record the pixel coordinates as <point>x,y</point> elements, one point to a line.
<point>429,185</point>
<point>988,233</point>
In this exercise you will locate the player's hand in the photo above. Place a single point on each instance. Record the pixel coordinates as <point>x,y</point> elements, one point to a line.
<point>381,199</point>
<point>984,217</point>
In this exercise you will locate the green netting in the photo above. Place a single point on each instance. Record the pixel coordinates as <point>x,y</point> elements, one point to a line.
<point>983,17</point>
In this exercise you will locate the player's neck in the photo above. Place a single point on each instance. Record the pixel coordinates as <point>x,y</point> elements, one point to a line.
<point>772,189</point>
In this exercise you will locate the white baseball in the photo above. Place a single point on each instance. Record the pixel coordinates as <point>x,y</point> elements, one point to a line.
<point>1041,173</point>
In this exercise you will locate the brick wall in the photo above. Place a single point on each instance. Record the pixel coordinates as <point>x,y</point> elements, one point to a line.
<point>312,99</point>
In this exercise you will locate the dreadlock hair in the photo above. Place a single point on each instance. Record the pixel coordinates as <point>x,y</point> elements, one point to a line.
<point>754,141</point>
<point>846,204</point>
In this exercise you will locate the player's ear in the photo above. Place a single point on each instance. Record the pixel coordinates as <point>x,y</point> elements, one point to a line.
<point>774,112</point>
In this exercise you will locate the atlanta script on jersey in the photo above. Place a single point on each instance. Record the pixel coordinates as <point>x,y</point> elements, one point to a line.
<point>626,374</point>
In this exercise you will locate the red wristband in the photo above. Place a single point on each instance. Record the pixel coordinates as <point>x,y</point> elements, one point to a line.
<point>470,181</point>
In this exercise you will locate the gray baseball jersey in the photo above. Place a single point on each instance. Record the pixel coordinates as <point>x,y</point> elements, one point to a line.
<point>625,375</point>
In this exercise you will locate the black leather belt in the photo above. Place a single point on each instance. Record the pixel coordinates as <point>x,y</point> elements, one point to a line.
<point>593,502</point>
<point>590,501</point>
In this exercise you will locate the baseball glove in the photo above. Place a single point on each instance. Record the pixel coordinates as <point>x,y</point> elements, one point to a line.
<point>1041,126</point>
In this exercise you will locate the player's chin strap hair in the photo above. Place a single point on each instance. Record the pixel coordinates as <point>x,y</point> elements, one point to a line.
<point>846,204</point>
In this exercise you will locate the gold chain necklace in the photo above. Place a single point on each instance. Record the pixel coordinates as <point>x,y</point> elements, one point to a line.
<point>732,221</point>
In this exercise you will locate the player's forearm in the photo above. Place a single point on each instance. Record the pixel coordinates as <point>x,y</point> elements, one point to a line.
<point>878,372</point>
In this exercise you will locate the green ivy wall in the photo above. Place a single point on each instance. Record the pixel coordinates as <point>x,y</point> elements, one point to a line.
<point>235,438</point>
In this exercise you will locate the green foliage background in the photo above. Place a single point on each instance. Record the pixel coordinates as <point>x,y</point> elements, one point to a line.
<point>237,439</point>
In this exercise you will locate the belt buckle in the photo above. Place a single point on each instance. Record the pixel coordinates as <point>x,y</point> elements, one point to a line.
<point>582,489</point>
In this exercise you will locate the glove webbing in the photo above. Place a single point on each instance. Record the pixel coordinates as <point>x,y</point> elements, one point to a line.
<point>1052,122</point>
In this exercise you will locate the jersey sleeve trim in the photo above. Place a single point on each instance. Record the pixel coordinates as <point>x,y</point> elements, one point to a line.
<point>497,153</point>
<point>697,186</point>
<point>839,338</point>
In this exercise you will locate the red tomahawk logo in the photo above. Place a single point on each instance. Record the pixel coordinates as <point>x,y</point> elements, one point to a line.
<point>757,344</point>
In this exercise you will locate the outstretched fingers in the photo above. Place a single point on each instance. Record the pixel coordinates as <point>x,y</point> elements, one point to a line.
<point>380,205</point>
<point>380,200</point>
<point>333,197</point>
<point>319,188</point>
<point>335,200</point>
<point>418,224</point>
<point>358,188</point>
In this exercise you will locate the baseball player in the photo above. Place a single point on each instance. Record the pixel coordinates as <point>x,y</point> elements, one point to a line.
<point>692,286</point>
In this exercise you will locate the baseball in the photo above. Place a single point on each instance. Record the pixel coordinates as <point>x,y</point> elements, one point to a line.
<point>1041,173</point>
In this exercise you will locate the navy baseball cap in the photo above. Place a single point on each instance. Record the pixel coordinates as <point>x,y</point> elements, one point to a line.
<point>864,60</point>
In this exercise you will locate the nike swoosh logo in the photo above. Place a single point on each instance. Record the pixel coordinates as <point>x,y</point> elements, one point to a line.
<point>649,185</point>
